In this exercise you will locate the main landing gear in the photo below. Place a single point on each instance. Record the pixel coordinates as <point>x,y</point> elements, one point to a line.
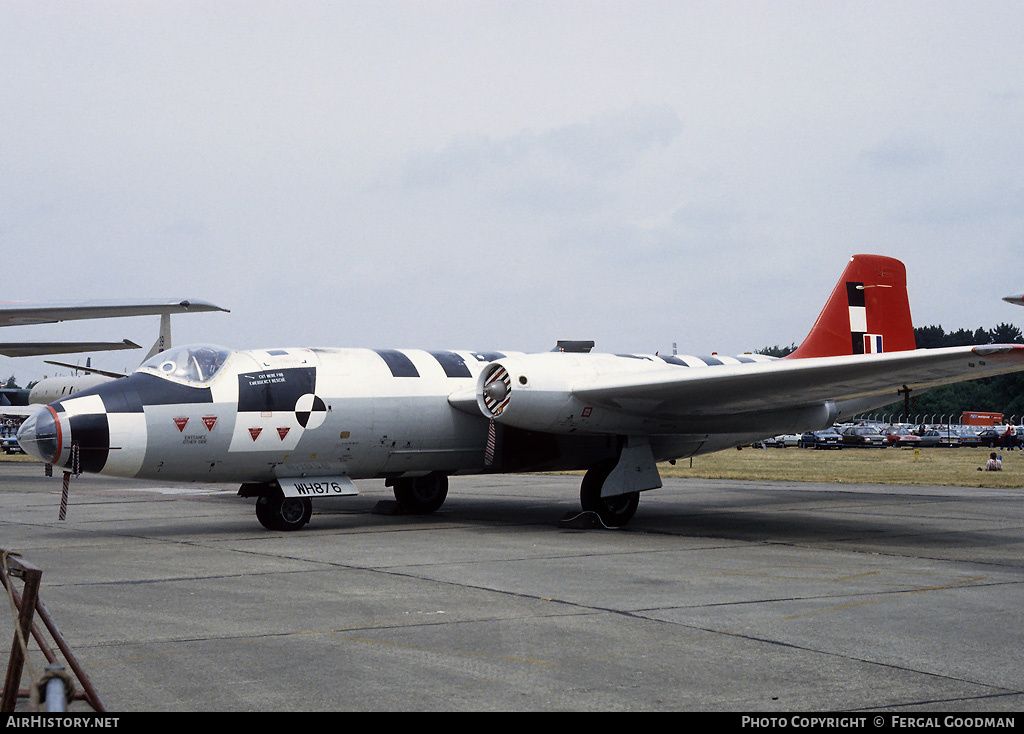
<point>614,511</point>
<point>420,495</point>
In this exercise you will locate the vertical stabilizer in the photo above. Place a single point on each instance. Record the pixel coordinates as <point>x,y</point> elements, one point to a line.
<point>163,341</point>
<point>868,312</point>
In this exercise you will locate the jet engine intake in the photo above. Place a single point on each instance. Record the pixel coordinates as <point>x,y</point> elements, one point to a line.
<point>531,392</point>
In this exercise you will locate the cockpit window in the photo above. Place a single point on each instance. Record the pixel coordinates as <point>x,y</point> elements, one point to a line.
<point>192,363</point>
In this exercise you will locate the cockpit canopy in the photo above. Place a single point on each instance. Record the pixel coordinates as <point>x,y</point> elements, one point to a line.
<point>192,364</point>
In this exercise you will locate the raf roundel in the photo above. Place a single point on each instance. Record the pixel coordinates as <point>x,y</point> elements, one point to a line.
<point>310,411</point>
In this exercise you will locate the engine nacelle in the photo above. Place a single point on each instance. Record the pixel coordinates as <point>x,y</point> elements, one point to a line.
<point>535,392</point>
<point>541,392</point>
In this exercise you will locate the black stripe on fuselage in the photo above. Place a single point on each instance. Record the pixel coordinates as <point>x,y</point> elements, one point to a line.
<point>675,361</point>
<point>711,361</point>
<point>92,434</point>
<point>452,364</point>
<point>399,364</point>
<point>487,356</point>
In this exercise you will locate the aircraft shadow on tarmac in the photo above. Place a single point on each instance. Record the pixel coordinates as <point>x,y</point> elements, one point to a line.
<point>884,523</point>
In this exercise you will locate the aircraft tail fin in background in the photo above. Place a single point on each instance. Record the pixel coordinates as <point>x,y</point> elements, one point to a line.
<point>163,341</point>
<point>868,312</point>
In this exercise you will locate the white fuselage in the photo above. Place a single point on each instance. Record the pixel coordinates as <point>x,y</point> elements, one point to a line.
<point>269,414</point>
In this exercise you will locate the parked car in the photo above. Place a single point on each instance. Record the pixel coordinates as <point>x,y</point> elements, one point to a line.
<point>990,437</point>
<point>996,438</point>
<point>828,439</point>
<point>969,437</point>
<point>902,438</point>
<point>788,440</point>
<point>940,437</point>
<point>864,437</point>
<point>10,445</point>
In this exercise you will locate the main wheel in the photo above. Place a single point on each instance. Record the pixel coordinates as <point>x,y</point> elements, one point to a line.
<point>277,512</point>
<point>422,495</point>
<point>614,511</point>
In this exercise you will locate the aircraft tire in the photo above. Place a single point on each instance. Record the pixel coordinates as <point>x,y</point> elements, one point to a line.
<point>614,511</point>
<point>422,495</point>
<point>277,512</point>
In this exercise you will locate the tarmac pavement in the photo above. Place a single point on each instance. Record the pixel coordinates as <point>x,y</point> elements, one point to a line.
<point>718,596</point>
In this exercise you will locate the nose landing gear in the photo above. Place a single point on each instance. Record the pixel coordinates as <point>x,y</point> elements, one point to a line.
<point>277,512</point>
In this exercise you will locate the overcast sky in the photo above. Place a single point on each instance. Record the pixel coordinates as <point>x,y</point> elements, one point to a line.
<point>500,175</point>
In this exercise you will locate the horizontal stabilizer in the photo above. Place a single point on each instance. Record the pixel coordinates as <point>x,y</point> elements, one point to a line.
<point>31,349</point>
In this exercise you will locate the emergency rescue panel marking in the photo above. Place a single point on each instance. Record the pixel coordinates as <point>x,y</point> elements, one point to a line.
<point>268,398</point>
<point>272,390</point>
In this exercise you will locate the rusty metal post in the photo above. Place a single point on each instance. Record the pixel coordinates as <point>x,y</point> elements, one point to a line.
<point>31,575</point>
<point>89,694</point>
<point>92,696</point>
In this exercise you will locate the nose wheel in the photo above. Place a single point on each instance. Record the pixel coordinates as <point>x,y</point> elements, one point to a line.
<point>277,512</point>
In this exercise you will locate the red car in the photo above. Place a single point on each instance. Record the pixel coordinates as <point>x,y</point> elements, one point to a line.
<point>902,437</point>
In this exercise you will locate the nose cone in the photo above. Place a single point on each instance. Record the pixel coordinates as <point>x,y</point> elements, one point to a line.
<point>39,436</point>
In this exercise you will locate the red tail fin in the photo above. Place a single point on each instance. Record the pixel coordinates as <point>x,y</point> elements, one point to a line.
<point>867,312</point>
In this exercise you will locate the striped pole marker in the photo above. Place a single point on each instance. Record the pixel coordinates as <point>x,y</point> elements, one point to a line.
<point>491,441</point>
<point>64,496</point>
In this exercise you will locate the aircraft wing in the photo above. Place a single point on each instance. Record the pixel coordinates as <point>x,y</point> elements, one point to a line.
<point>791,383</point>
<point>31,349</point>
<point>17,314</point>
<point>19,411</point>
<point>642,397</point>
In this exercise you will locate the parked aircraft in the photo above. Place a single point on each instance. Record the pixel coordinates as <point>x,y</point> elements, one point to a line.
<point>20,314</point>
<point>53,388</point>
<point>298,423</point>
<point>50,389</point>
